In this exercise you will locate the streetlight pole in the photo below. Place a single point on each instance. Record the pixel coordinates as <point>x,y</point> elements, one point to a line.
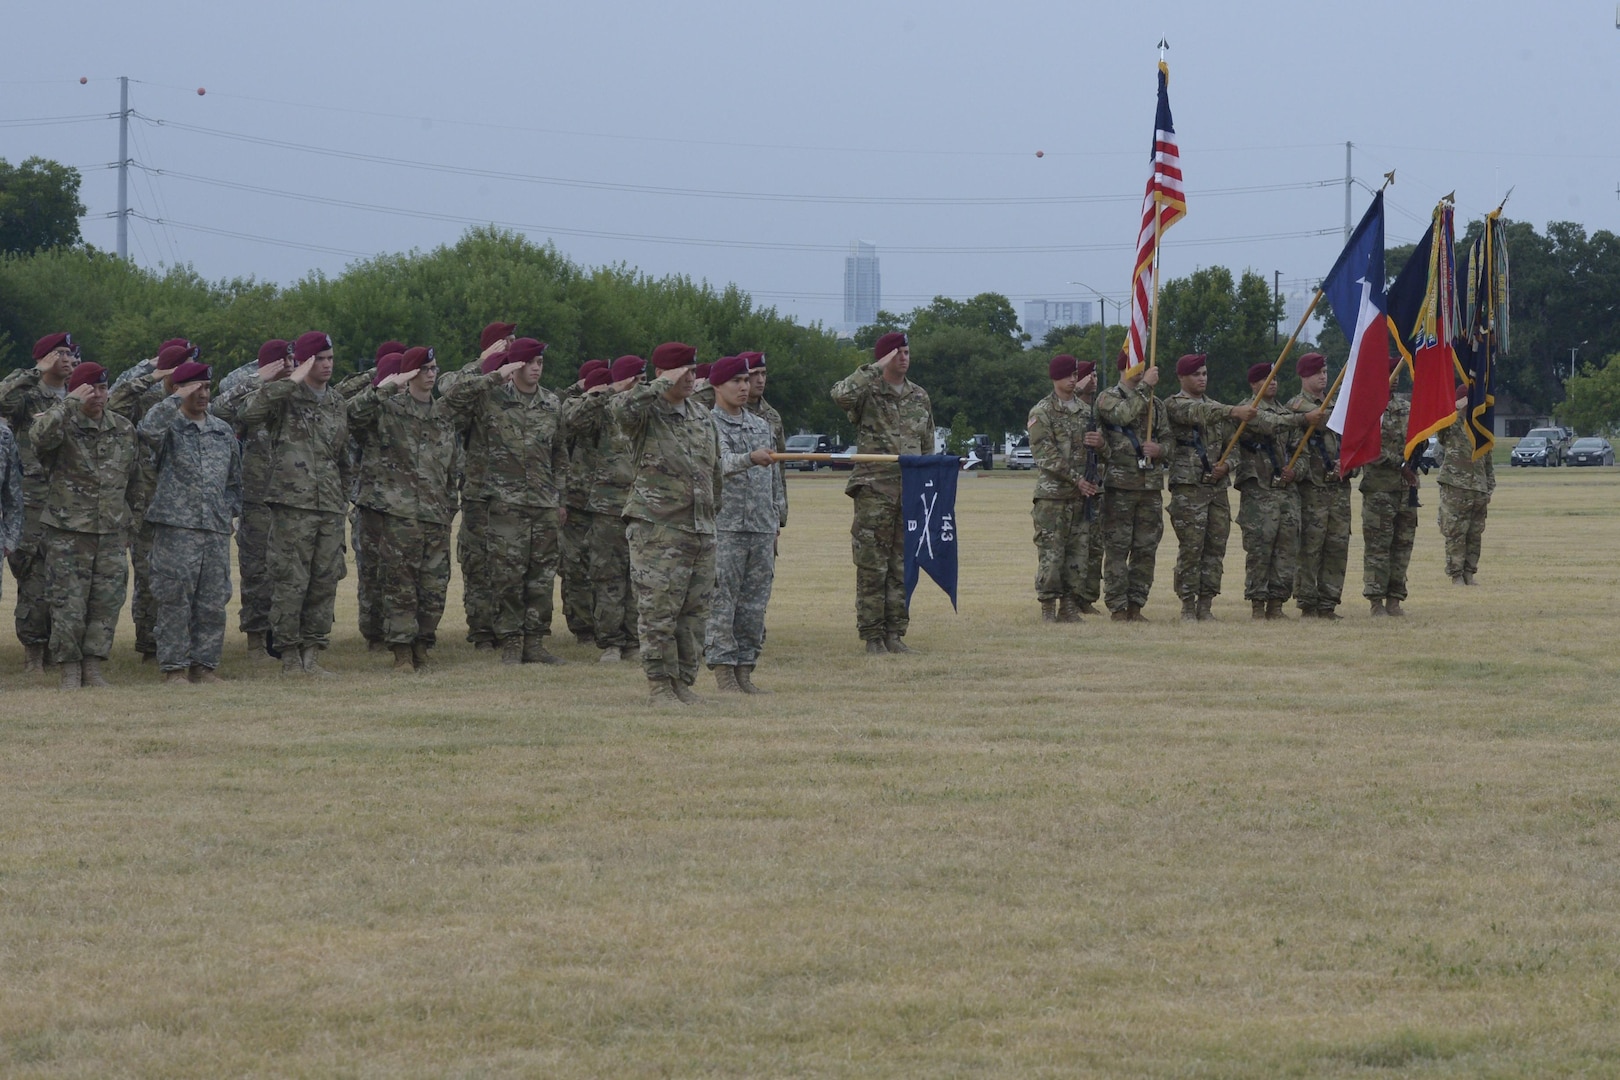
<point>1276,303</point>
<point>1573,349</point>
<point>1102,320</point>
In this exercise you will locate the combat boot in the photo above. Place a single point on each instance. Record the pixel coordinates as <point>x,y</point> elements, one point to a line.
<point>375,645</point>
<point>630,652</point>
<point>308,657</point>
<point>1378,611</point>
<point>1257,610</point>
<point>1088,608</point>
<point>1329,614</point>
<point>1133,613</point>
<point>1468,578</point>
<point>610,655</point>
<point>584,637</point>
<point>1459,579</point>
<point>1205,614</point>
<point>1393,607</point>
<point>512,651</point>
<point>201,674</point>
<point>725,679</point>
<point>91,673</point>
<point>683,691</point>
<point>875,647</point>
<point>176,676</point>
<point>255,649</point>
<point>1049,611</point>
<point>535,652</point>
<point>483,646</point>
<point>1274,610</point>
<point>897,644</point>
<point>660,692</point>
<point>33,659</point>
<point>404,663</point>
<point>745,680</point>
<point>1068,611</point>
<point>1189,609</point>
<point>1122,615</point>
<point>72,676</point>
<point>419,654</point>
<point>290,662</point>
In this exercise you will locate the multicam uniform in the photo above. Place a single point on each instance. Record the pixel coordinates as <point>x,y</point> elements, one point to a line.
<point>1200,511</point>
<point>753,502</point>
<point>472,551</point>
<point>11,491</point>
<point>1324,518</point>
<point>253,527</point>
<point>1091,581</point>
<point>613,611</point>
<point>888,420</point>
<point>1465,496</point>
<point>1268,510</point>
<point>1057,431</point>
<point>132,399</point>
<point>1388,521</point>
<point>575,568</point>
<point>23,395</point>
<point>361,543</point>
<point>1133,508</point>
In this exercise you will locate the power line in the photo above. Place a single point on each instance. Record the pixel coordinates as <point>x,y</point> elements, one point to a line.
<point>256,239</point>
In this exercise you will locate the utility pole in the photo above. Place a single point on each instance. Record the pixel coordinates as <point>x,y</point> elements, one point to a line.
<point>123,167</point>
<point>1347,180</point>
<point>1277,303</point>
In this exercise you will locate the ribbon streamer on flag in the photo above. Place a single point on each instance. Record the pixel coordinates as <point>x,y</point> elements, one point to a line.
<point>1164,204</point>
<point>928,512</point>
<point>1485,329</point>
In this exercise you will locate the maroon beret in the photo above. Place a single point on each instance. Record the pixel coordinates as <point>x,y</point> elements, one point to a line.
<point>1258,372</point>
<point>702,370</point>
<point>189,372</point>
<point>494,362</point>
<point>175,341</point>
<point>1084,368</point>
<point>1124,358</point>
<point>597,377</point>
<point>415,359</point>
<point>389,347</point>
<point>1062,366</point>
<point>388,365</point>
<point>1309,364</point>
<point>593,365</point>
<point>273,350</point>
<point>1190,363</point>
<point>51,342</point>
<point>525,349</point>
<point>755,361</point>
<point>494,332</point>
<point>310,343</point>
<point>86,373</point>
<point>673,354</point>
<point>727,368</point>
<point>173,356</point>
<point>888,343</point>
<point>626,366</point>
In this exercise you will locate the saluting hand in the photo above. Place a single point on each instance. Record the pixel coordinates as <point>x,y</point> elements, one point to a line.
<point>84,391</point>
<point>301,372</point>
<point>398,378</point>
<point>884,360</point>
<point>506,371</point>
<point>189,390</point>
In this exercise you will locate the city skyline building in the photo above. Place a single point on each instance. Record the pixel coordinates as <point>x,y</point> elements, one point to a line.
<point>863,285</point>
<point>1042,315</point>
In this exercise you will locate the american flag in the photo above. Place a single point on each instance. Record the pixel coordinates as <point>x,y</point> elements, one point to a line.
<point>1164,203</point>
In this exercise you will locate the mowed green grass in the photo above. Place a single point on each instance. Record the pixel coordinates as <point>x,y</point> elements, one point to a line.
<point>1228,850</point>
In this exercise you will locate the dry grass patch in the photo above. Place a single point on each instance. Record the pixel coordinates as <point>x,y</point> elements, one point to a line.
<point>1170,850</point>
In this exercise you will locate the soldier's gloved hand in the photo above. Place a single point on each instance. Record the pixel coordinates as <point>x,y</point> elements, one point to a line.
<point>761,457</point>
<point>1244,413</point>
<point>1151,450</point>
<point>1095,440</point>
<point>1334,477</point>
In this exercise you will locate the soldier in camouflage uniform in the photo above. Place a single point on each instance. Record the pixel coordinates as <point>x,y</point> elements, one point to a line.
<point>253,527</point>
<point>1268,510</point>
<point>132,398</point>
<point>517,465</point>
<point>751,510</point>
<point>575,569</point>
<point>149,365</point>
<point>1200,511</point>
<point>1324,503</point>
<point>472,554</point>
<point>1388,518</point>
<point>702,390</point>
<point>407,499</point>
<point>1133,508</point>
<point>671,515</point>
<point>1063,436</point>
<point>24,395</point>
<point>361,543</point>
<point>1466,484</point>
<point>892,415</point>
<point>309,433</point>
<point>195,496</point>
<point>614,611</point>
<point>761,408</point>
<point>11,493</point>
<point>1096,545</point>
<point>88,454</point>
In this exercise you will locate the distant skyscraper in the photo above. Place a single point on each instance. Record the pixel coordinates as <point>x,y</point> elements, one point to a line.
<point>863,285</point>
<point>1042,315</point>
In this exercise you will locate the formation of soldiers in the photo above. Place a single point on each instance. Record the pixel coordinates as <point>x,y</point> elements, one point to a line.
<point>1104,459</point>
<point>641,492</point>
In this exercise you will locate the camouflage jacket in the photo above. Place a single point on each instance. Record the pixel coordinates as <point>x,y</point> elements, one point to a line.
<point>1458,468</point>
<point>704,396</point>
<point>1057,434</point>
<point>1383,473</point>
<point>134,371</point>
<point>677,458</point>
<point>234,391</point>
<point>581,452</point>
<point>517,449</point>
<point>753,498</point>
<point>309,438</point>
<point>11,491</point>
<point>22,397</point>
<point>888,420</point>
<point>448,379</point>
<point>1198,431</point>
<point>199,469</point>
<point>1321,454</point>
<point>407,455</point>
<point>1266,443</point>
<point>612,453</point>
<point>132,399</point>
<point>90,464</point>
<point>1123,410</point>
<point>763,410</point>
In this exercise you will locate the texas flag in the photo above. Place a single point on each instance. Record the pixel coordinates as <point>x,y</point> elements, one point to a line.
<point>1355,288</point>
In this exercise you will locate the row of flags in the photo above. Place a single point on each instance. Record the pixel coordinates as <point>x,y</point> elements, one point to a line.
<point>1449,321</point>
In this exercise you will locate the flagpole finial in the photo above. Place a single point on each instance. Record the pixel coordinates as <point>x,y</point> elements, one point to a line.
<point>1389,178</point>
<point>1449,197</point>
<point>1163,46</point>
<point>1505,198</point>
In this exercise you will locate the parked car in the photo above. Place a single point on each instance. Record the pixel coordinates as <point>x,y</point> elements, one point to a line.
<point>1591,451</point>
<point>1534,450</point>
<point>845,466</point>
<point>1019,457</point>
<point>1558,442</point>
<point>808,444</point>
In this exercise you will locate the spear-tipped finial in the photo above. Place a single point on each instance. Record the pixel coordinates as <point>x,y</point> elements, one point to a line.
<point>1449,197</point>
<point>1505,198</point>
<point>1163,45</point>
<point>1389,178</point>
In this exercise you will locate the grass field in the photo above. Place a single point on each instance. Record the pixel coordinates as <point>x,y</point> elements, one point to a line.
<point>1229,850</point>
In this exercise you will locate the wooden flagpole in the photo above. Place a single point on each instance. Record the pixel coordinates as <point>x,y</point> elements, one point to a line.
<point>857,458</point>
<point>1272,374</point>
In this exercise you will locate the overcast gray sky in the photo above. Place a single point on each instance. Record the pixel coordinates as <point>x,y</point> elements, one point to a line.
<point>776,134</point>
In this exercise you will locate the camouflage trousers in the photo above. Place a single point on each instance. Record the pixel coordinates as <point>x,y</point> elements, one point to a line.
<point>744,568</point>
<point>613,608</point>
<point>305,562</point>
<point>878,545</point>
<point>29,568</point>
<point>1062,548</point>
<point>673,571</point>
<point>1133,525</point>
<point>89,580</point>
<point>1269,519</point>
<point>408,562</point>
<point>363,541</point>
<point>1462,523</point>
<point>1388,527</point>
<point>473,558</point>
<point>143,606</point>
<point>1324,545</point>
<point>252,535</point>
<point>1091,588</point>
<point>575,569</point>
<point>1201,515</point>
<point>190,571</point>
<point>524,548</point>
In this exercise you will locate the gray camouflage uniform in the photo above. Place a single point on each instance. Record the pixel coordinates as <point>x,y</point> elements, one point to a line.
<point>753,503</point>
<point>132,398</point>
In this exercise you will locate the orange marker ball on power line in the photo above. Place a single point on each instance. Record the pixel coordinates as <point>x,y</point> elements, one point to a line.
<point>83,80</point>
<point>201,90</point>
<point>1040,153</point>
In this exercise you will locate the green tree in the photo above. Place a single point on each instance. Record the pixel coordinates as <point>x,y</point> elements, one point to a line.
<point>1233,321</point>
<point>961,434</point>
<point>39,206</point>
<point>1592,399</point>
